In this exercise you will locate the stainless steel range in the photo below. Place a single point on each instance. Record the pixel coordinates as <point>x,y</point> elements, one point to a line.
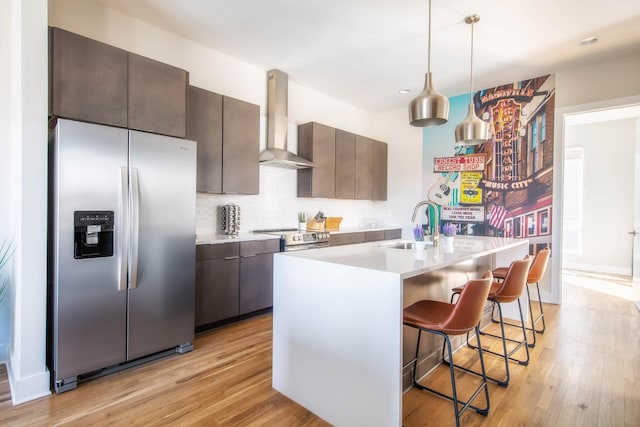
<point>293,240</point>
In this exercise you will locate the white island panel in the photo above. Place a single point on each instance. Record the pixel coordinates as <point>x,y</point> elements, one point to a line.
<point>337,342</point>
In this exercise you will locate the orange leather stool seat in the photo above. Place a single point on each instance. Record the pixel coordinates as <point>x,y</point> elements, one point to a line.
<point>445,319</point>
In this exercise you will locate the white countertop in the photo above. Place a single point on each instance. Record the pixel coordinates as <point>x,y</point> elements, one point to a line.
<point>213,239</point>
<point>407,263</point>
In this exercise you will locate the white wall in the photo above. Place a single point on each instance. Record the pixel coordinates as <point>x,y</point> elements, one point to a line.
<point>404,188</point>
<point>277,204</point>
<point>5,169</point>
<point>615,79</point>
<point>25,129</point>
<point>608,197</point>
<point>596,86</point>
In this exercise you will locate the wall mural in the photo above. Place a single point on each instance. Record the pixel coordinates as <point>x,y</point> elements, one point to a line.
<point>502,187</point>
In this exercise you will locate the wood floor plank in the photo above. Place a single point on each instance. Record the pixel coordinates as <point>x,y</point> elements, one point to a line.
<point>584,371</point>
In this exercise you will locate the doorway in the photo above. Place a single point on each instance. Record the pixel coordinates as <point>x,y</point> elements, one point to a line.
<point>601,205</point>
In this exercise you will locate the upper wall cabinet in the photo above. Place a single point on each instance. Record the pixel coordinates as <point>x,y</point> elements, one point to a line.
<point>88,79</point>
<point>379,163</point>
<point>204,125</point>
<point>317,143</point>
<point>241,146</point>
<point>228,134</point>
<point>348,166</point>
<point>94,82</point>
<point>363,168</point>
<point>157,97</point>
<point>345,161</point>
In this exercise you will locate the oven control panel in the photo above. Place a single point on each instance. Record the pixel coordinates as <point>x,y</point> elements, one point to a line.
<point>306,237</point>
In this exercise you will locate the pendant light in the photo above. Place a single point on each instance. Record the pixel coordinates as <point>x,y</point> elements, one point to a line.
<point>430,108</point>
<point>472,130</point>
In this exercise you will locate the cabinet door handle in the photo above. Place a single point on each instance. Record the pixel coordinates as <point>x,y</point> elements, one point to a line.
<point>248,256</point>
<point>231,257</point>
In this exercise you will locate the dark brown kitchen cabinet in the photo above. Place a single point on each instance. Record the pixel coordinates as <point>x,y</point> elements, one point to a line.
<point>373,236</point>
<point>256,274</point>
<point>88,79</point>
<point>394,233</point>
<point>317,143</point>
<point>348,166</point>
<point>228,134</point>
<point>346,238</point>
<point>350,238</point>
<point>241,146</point>
<point>363,168</point>
<point>233,279</point>
<point>379,170</point>
<point>95,82</point>
<point>204,125</point>
<point>217,282</point>
<point>345,162</point>
<point>157,97</point>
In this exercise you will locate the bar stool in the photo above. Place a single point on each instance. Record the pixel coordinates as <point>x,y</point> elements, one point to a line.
<point>508,290</point>
<point>538,267</point>
<point>445,319</point>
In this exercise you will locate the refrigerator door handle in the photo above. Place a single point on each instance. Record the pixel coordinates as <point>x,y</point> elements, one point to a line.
<point>135,231</point>
<point>123,236</point>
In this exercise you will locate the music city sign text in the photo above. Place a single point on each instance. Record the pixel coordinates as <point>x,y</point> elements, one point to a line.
<point>505,185</point>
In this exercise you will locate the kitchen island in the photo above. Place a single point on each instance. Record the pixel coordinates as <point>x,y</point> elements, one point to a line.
<point>337,319</point>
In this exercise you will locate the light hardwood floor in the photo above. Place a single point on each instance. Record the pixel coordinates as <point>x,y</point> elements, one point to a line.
<point>585,371</point>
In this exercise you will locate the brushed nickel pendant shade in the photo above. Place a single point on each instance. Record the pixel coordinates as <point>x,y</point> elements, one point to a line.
<point>472,130</point>
<point>430,108</point>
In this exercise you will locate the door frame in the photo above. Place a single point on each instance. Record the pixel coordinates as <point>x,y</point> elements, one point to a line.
<point>555,295</point>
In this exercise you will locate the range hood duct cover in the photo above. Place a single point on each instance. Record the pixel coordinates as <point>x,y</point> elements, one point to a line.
<point>276,153</point>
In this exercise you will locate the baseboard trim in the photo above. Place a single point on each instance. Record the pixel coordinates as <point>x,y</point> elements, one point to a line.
<point>29,388</point>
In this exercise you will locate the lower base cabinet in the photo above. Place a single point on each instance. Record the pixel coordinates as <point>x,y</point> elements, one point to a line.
<point>351,238</point>
<point>233,279</point>
<point>256,282</point>
<point>217,282</point>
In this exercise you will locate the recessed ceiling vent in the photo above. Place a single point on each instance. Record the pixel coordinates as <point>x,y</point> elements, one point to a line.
<point>276,153</point>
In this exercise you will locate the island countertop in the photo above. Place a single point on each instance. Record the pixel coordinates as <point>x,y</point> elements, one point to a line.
<point>384,257</point>
<point>338,339</point>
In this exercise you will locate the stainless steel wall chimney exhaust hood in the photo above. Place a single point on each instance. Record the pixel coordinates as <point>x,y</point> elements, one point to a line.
<point>276,153</point>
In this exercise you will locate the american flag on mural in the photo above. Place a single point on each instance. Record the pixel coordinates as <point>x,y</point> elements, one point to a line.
<point>498,213</point>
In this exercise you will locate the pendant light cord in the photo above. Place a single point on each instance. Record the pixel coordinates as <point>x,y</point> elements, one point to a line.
<point>471,19</point>
<point>429,40</point>
<point>471,77</point>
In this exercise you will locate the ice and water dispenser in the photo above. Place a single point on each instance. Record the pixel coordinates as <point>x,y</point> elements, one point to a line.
<point>93,234</point>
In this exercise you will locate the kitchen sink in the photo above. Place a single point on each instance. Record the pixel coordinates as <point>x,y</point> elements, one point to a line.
<point>408,244</point>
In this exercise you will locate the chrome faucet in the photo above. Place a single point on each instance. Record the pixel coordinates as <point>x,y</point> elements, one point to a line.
<point>434,223</point>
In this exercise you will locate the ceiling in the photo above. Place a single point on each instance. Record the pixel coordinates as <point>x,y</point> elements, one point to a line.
<point>364,51</point>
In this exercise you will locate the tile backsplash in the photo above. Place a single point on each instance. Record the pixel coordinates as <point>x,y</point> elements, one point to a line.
<point>277,206</point>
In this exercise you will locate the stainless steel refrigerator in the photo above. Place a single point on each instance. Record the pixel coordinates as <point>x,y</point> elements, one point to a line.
<point>121,249</point>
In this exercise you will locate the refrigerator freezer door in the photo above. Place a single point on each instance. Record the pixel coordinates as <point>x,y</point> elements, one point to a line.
<point>161,306</point>
<point>89,312</point>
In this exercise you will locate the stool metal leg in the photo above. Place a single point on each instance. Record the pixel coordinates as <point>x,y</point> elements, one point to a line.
<point>541,316</point>
<point>533,322</point>
<point>506,355</point>
<point>454,397</point>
